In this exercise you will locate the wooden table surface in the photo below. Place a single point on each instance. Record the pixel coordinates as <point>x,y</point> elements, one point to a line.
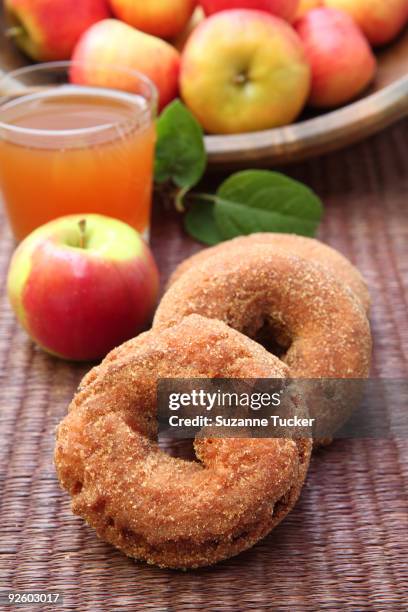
<point>345,545</point>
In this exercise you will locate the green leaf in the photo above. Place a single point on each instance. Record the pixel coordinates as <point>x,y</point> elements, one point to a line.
<point>199,222</point>
<point>264,201</point>
<point>180,151</point>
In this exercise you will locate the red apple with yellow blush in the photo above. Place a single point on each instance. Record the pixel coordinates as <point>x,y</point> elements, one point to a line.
<point>380,20</point>
<point>243,71</point>
<point>340,57</point>
<point>111,44</point>
<point>82,284</point>
<point>48,30</point>
<point>163,18</point>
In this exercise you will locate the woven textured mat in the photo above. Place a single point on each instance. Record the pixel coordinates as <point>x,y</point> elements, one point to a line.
<point>345,545</point>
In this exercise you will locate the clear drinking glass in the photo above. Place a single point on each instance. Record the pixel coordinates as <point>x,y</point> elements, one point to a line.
<point>68,148</point>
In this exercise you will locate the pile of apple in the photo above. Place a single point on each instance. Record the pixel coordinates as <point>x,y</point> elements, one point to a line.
<point>239,65</point>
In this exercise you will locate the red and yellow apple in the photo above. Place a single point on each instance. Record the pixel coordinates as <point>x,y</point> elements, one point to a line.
<point>164,18</point>
<point>286,9</point>
<point>111,44</point>
<point>341,59</point>
<point>49,29</point>
<point>380,20</point>
<point>82,284</point>
<point>307,5</point>
<point>244,70</point>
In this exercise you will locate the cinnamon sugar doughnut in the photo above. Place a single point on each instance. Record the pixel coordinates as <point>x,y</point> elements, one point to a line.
<point>165,510</point>
<point>319,325</point>
<point>308,248</point>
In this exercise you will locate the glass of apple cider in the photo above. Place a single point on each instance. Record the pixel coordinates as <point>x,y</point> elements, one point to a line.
<point>67,149</point>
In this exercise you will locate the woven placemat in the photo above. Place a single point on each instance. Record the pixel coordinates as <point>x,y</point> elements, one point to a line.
<point>345,545</point>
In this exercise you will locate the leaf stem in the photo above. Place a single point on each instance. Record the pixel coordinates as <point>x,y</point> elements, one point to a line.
<point>178,200</point>
<point>208,197</point>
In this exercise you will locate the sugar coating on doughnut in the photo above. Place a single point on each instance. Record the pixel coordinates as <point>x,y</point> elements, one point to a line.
<point>165,510</point>
<point>309,248</point>
<point>318,321</point>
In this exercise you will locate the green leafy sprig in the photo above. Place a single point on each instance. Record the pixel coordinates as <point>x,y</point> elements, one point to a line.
<point>248,201</point>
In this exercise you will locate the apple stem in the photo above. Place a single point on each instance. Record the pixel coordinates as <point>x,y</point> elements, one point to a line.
<point>82,231</point>
<point>240,79</point>
<point>14,32</point>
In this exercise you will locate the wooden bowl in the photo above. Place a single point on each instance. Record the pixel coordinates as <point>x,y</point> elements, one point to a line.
<point>384,103</point>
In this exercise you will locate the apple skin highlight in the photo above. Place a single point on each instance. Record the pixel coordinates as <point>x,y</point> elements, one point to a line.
<point>79,302</point>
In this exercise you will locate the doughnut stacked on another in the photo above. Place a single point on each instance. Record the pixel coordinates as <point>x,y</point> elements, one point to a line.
<point>318,323</point>
<point>308,248</point>
<point>161,509</point>
<point>299,297</point>
<point>304,298</point>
